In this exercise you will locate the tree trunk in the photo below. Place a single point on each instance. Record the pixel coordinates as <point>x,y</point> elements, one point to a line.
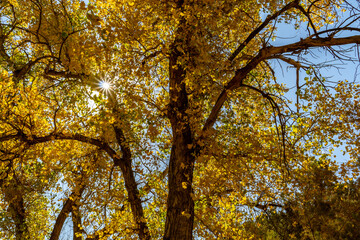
<point>77,226</point>
<point>131,186</point>
<point>135,201</point>
<point>17,209</point>
<point>65,211</point>
<point>180,205</point>
<point>14,196</point>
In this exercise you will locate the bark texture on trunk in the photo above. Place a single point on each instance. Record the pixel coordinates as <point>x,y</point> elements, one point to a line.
<point>125,164</point>
<point>180,205</point>
<point>76,219</point>
<point>14,196</point>
<point>65,211</point>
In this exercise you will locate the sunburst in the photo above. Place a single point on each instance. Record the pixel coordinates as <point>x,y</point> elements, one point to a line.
<point>106,86</point>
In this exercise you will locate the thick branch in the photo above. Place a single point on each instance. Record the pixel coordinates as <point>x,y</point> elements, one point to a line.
<point>268,19</point>
<point>64,74</point>
<point>9,137</point>
<point>120,137</point>
<point>22,71</point>
<point>123,162</point>
<point>76,219</point>
<point>131,185</point>
<point>310,43</point>
<point>32,140</point>
<point>267,53</point>
<point>66,209</point>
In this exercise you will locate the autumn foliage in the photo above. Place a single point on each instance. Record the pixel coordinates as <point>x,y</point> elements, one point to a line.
<point>145,119</point>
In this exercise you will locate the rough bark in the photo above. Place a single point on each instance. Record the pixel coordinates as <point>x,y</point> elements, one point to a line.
<point>268,53</point>
<point>76,219</point>
<point>124,162</point>
<point>180,205</point>
<point>66,209</point>
<point>131,186</point>
<point>14,196</point>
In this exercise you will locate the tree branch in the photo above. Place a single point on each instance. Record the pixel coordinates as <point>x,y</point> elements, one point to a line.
<point>268,19</point>
<point>66,209</point>
<point>267,53</point>
<point>123,162</point>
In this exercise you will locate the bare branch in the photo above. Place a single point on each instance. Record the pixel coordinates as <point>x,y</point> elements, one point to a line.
<point>290,61</point>
<point>267,53</point>
<point>268,19</point>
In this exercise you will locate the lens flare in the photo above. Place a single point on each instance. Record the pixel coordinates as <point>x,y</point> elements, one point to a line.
<point>105,86</point>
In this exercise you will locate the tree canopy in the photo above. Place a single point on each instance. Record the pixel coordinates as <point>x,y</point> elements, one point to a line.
<point>145,119</point>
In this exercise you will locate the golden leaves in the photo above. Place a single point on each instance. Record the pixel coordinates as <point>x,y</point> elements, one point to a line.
<point>240,163</point>
<point>82,5</point>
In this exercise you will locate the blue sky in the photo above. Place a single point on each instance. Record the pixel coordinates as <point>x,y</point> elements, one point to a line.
<point>336,71</point>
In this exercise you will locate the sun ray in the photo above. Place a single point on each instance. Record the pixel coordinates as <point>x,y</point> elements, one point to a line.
<point>105,86</point>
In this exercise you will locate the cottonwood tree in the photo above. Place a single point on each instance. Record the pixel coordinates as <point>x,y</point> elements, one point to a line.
<point>105,103</point>
<point>322,209</point>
